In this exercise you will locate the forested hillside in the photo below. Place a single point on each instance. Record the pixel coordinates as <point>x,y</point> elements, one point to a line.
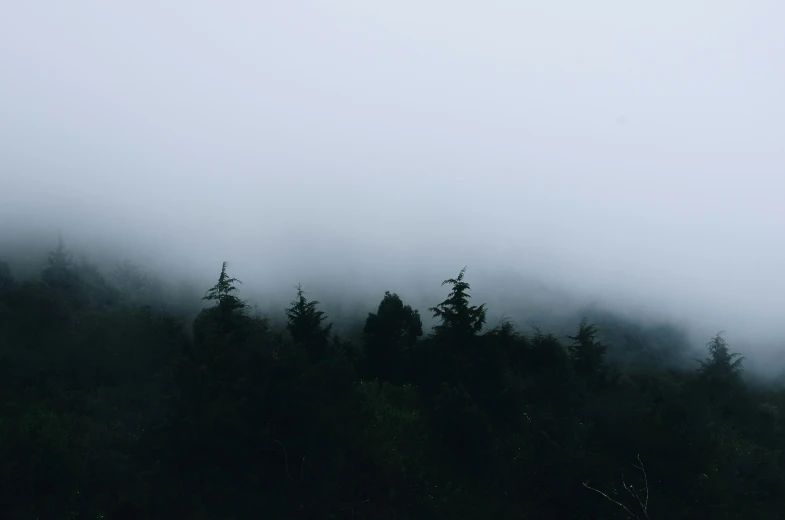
<point>115,406</point>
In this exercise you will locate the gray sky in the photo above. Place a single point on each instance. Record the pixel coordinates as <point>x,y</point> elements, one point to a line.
<point>629,149</point>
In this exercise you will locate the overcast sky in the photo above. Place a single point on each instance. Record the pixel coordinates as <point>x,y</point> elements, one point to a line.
<point>631,148</point>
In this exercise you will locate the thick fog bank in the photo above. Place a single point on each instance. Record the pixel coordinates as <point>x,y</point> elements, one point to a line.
<point>350,277</point>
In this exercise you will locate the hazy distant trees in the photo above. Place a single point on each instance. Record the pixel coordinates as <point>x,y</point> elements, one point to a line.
<point>130,278</point>
<point>719,377</point>
<point>7,285</point>
<point>7,282</point>
<point>60,271</point>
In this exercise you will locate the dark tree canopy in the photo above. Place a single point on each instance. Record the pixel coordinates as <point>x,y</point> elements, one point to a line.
<point>389,335</point>
<point>114,409</point>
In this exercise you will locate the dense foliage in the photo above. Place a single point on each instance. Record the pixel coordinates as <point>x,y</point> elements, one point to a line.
<point>115,408</point>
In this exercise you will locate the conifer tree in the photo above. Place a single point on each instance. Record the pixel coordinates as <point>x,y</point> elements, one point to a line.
<point>60,270</point>
<point>722,364</point>
<point>227,318</point>
<point>130,278</point>
<point>455,314</point>
<point>304,323</point>
<point>586,353</point>
<point>222,293</point>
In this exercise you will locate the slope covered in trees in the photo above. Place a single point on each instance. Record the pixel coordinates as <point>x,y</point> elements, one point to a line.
<point>114,408</point>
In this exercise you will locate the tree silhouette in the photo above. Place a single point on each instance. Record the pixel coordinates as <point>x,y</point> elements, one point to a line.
<point>586,353</point>
<point>721,359</point>
<point>722,365</point>
<point>455,314</point>
<point>222,293</point>
<point>227,316</point>
<point>113,410</point>
<point>389,335</point>
<point>60,271</point>
<point>304,323</point>
<point>130,278</point>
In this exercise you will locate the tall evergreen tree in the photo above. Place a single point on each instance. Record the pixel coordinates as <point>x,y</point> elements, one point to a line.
<point>455,314</point>
<point>60,271</point>
<point>130,278</point>
<point>586,353</point>
<point>458,354</point>
<point>223,293</point>
<point>227,316</point>
<point>722,364</point>
<point>304,321</point>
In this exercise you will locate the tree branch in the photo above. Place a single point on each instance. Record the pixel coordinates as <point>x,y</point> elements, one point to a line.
<point>643,504</point>
<point>587,486</point>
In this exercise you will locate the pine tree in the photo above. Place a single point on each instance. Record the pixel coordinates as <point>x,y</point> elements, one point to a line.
<point>222,293</point>
<point>304,323</point>
<point>130,278</point>
<point>457,317</point>
<point>722,364</point>
<point>60,271</point>
<point>458,356</point>
<point>586,353</point>
<point>227,319</point>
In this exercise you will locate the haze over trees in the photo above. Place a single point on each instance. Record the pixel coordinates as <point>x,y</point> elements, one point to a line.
<point>116,407</point>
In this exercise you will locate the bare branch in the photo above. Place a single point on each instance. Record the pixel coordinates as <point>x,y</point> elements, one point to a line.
<point>643,504</point>
<point>587,486</point>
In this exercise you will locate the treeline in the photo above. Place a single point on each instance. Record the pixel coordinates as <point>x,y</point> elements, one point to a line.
<point>117,409</point>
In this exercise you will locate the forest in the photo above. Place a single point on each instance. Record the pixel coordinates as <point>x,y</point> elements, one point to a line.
<point>116,407</point>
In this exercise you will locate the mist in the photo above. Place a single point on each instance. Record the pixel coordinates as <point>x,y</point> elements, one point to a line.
<point>620,153</point>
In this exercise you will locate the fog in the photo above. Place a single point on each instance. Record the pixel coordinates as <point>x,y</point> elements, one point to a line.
<point>626,153</point>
